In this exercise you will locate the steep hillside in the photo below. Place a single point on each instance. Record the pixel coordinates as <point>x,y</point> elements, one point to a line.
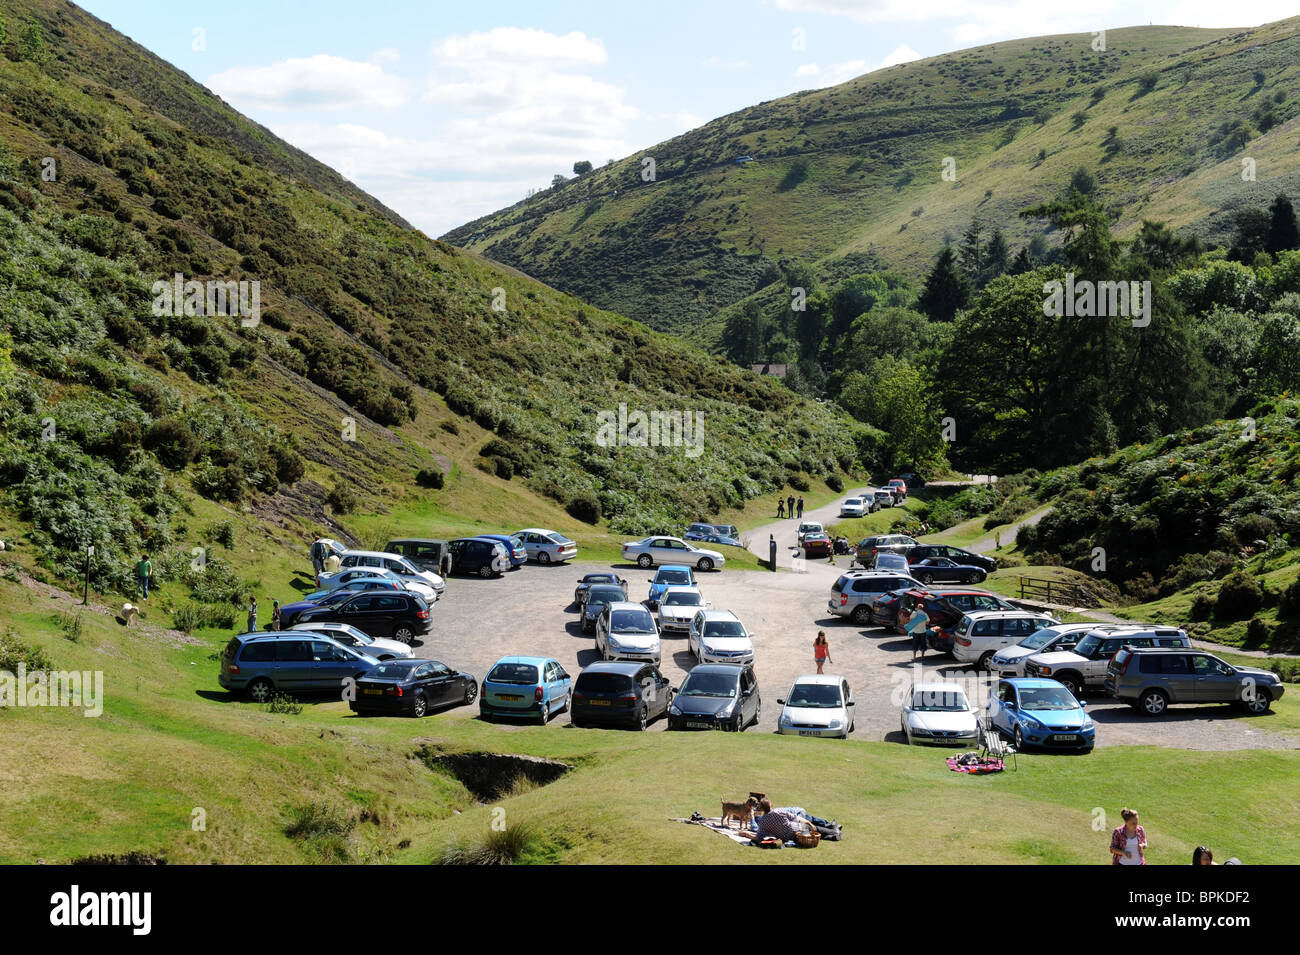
<point>852,177</point>
<point>376,354</point>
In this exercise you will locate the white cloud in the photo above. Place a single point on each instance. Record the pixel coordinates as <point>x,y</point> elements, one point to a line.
<point>808,69</point>
<point>843,72</point>
<point>505,47</point>
<point>904,54</point>
<point>317,82</point>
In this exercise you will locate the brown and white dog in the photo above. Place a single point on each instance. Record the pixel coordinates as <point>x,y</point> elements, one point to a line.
<point>742,812</point>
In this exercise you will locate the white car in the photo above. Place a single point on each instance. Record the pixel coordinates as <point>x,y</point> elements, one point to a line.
<point>853,507</point>
<point>678,607</point>
<point>546,547</point>
<point>671,550</point>
<point>1010,661</point>
<point>718,636</point>
<point>810,527</point>
<point>332,580</point>
<point>396,563</point>
<point>818,704</point>
<point>626,631</point>
<point>938,713</point>
<point>378,647</point>
<point>978,636</point>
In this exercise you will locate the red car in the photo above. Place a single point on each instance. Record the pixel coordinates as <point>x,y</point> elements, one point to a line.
<point>899,485</point>
<point>816,545</point>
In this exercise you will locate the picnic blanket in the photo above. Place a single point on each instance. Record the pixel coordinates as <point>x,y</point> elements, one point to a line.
<point>976,764</point>
<point>715,824</point>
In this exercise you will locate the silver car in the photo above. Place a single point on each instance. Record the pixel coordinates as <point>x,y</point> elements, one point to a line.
<point>671,550</point>
<point>677,607</point>
<point>546,547</point>
<point>626,631</point>
<point>380,648</point>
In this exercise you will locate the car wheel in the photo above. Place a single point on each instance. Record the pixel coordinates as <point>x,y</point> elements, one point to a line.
<point>1073,684</point>
<point>645,560</point>
<point>485,571</point>
<point>404,635</point>
<point>1153,702</point>
<point>543,557</point>
<point>419,705</point>
<point>544,715</point>
<point>471,691</point>
<point>705,564</point>
<point>1258,704</point>
<point>740,723</point>
<point>1018,738</point>
<point>642,720</point>
<point>985,661</point>
<point>259,691</point>
<point>902,728</point>
<point>567,700</point>
<point>926,579</point>
<point>861,615</point>
<point>758,711</point>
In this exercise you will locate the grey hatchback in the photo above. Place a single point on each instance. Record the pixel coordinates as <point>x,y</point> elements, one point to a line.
<point>716,696</point>
<point>621,692</point>
<point>1150,678</point>
<point>262,663</point>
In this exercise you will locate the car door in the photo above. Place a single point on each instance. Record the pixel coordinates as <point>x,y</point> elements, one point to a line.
<point>439,683</point>
<point>1176,673</point>
<point>999,695</point>
<point>663,690</point>
<point>293,663</point>
<point>330,666</point>
<point>1216,682</point>
<point>749,691</point>
<point>563,682</point>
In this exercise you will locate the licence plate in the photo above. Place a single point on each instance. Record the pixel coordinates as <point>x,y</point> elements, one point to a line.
<point>369,691</point>
<point>509,696</point>
<point>700,726</point>
<point>1067,737</point>
<point>599,702</point>
<point>807,732</point>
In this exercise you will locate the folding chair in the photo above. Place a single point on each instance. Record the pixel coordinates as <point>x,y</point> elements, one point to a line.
<point>992,743</point>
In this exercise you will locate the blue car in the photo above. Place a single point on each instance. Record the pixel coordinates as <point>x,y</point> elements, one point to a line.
<point>1040,713</point>
<point>513,545</point>
<point>525,687</point>
<point>264,663</point>
<point>669,575</point>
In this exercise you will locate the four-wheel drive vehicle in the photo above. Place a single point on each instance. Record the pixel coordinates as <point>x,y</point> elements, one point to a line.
<point>853,593</point>
<point>400,616</point>
<point>412,688</point>
<point>1040,713</point>
<point>620,693</point>
<point>922,551</point>
<point>1084,667</point>
<point>535,687</point>
<point>880,499</point>
<point>671,550</point>
<point>425,553</point>
<point>981,634</point>
<point>266,662</point>
<point>1151,678</point>
<point>1010,661</point>
<point>716,696</point>
<point>956,601</point>
<point>474,555</point>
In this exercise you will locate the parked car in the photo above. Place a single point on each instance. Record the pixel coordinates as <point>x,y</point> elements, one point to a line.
<point>347,635</point>
<point>394,563</point>
<point>1151,678</point>
<point>886,606</point>
<point>263,663</point>
<point>983,633</point>
<point>912,481</point>
<point>945,571</point>
<point>400,616</point>
<point>718,636</point>
<point>716,696</point>
<point>597,596</point>
<point>854,507</point>
<point>818,704</point>
<point>1010,661</point>
<point>671,550</point>
<point>474,556</point>
<point>677,608</point>
<point>356,585</point>
<point>580,592</point>
<point>626,631</point>
<point>924,551</point>
<point>547,547</point>
<point>817,544</point>
<point>345,576</point>
<point>533,687</point>
<point>881,499</point>
<point>425,553</point>
<point>898,486</point>
<point>290,612</point>
<point>725,534</point>
<point>938,713</point>
<point>809,527</point>
<point>514,548</point>
<point>954,602</point>
<point>869,547</point>
<point>412,688</point>
<point>669,575</point>
<point>894,563</point>
<point>727,530</point>
<point>1039,713</point>
<point>1084,668</point>
<point>853,592</point>
<point>620,693</point>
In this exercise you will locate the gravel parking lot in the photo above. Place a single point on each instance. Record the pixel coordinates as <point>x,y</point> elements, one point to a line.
<point>531,611</point>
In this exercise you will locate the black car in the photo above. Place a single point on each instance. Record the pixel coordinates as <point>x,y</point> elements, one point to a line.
<point>473,555</point>
<point>947,571</point>
<point>412,688</point>
<point>594,602</point>
<point>620,693</point>
<point>400,616</point>
<point>884,609</point>
<point>716,696</point>
<point>580,592</point>
<point>925,551</point>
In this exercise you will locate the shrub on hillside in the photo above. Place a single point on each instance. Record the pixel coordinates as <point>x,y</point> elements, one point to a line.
<point>342,498</point>
<point>430,478</point>
<point>14,651</point>
<point>1256,632</point>
<point>1239,596</point>
<point>1253,527</point>
<point>1203,605</point>
<point>798,482</point>
<point>172,442</point>
<point>585,507</point>
<point>835,483</point>
<point>1288,604</point>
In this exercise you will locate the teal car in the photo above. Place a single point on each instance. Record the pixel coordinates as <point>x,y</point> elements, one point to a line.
<point>533,688</point>
<point>1040,713</point>
<point>669,575</point>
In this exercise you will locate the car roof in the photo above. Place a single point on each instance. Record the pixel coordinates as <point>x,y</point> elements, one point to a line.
<point>663,567</point>
<point>986,614</point>
<point>624,667</point>
<point>712,614</point>
<point>938,686</point>
<point>822,679</point>
<point>728,668</point>
<point>417,540</point>
<point>1032,682</point>
<point>536,530</point>
<point>681,589</point>
<point>535,661</point>
<point>625,605</point>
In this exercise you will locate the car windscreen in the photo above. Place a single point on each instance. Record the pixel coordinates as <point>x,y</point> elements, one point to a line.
<point>671,577</point>
<point>631,621</point>
<point>814,695</point>
<point>558,539</point>
<point>724,628</point>
<point>524,673</point>
<point>603,683</point>
<point>598,579</point>
<point>603,595</point>
<point>940,701</point>
<point>1039,638</point>
<point>683,599</point>
<point>709,684</point>
<point>1047,698</point>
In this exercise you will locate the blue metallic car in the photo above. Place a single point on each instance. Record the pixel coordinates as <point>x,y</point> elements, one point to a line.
<point>513,545</point>
<point>669,575</point>
<point>1040,713</point>
<point>525,687</point>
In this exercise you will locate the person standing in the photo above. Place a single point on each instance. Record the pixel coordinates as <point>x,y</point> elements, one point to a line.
<point>800,508</point>
<point>143,577</point>
<point>317,557</point>
<point>918,625</point>
<point>252,614</point>
<point>1128,843</point>
<point>789,506</point>
<point>780,509</point>
<point>275,615</point>
<point>821,651</point>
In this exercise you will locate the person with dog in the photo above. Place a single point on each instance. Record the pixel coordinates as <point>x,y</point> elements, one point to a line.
<point>778,824</point>
<point>143,577</point>
<point>1128,843</point>
<point>821,650</point>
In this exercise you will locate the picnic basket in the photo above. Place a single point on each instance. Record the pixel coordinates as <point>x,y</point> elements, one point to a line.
<point>808,840</point>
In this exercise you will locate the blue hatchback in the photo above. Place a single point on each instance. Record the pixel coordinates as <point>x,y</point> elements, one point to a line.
<point>669,575</point>
<point>1040,713</point>
<point>514,547</point>
<point>531,687</point>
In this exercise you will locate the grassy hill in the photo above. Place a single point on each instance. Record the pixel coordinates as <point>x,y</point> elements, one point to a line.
<point>850,177</point>
<point>392,382</point>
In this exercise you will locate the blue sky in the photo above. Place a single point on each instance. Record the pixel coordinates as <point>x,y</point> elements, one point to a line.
<point>447,111</point>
